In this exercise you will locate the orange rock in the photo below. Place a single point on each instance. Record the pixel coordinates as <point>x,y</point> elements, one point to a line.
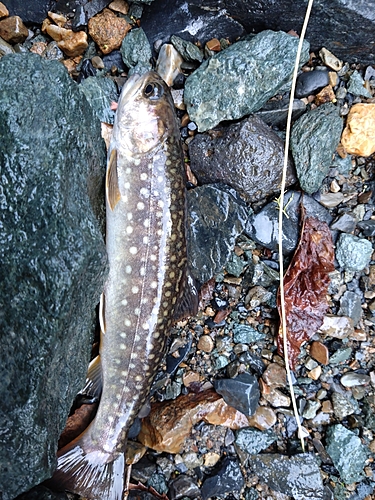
<point>59,19</point>
<point>38,48</point>
<point>358,137</point>
<point>263,418</point>
<point>171,422</point>
<point>75,44</point>
<point>325,95</point>
<point>3,11</point>
<point>319,352</point>
<point>57,33</point>
<point>108,30</point>
<point>13,30</point>
<point>213,45</point>
<point>119,6</point>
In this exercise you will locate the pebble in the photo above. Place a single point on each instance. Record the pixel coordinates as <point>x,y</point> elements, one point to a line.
<point>314,139</point>
<point>188,50</point>
<point>108,30</point>
<point>319,352</point>
<point>97,62</point>
<point>246,334</point>
<point>205,343</point>
<point>264,418</point>
<point>228,479</point>
<point>330,60</point>
<point>119,6</point>
<point>277,399</point>
<point>310,81</point>
<point>353,379</point>
<point>340,355</point>
<point>241,392</point>
<point>367,226</point>
<point>356,85</point>
<point>342,407</point>
<point>353,253</point>
<point>315,373</point>
<point>275,112</point>
<point>183,486</point>
<point>5,48</point>
<point>75,44</point>
<point>339,327</point>
<point>253,441</point>
<point>345,223</point>
<point>13,30</point>
<point>358,136</point>
<point>136,51</point>
<point>275,375</point>
<point>347,452</point>
<point>311,409</point>
<point>169,63</point>
<point>3,11</point>
<point>351,305</point>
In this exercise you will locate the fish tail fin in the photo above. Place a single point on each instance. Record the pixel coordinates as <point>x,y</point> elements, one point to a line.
<point>92,474</point>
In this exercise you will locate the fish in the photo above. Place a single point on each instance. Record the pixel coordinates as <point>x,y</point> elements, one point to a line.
<point>148,286</point>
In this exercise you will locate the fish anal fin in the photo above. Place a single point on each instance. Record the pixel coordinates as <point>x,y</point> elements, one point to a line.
<point>94,379</point>
<point>112,190</point>
<point>187,302</point>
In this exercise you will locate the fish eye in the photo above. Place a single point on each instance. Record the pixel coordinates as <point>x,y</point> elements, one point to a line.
<point>153,91</point>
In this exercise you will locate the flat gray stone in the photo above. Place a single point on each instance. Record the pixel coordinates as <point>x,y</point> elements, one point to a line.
<point>353,253</point>
<point>253,440</point>
<point>240,79</point>
<point>53,259</point>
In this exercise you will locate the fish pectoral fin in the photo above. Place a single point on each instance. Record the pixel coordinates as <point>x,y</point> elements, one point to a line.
<point>187,303</point>
<point>112,190</point>
<point>94,379</point>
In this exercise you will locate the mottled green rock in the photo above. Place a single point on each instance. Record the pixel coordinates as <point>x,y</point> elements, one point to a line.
<point>216,216</point>
<point>240,79</point>
<point>235,265</point>
<point>136,51</point>
<point>353,253</point>
<point>100,92</point>
<point>314,139</point>
<point>53,259</point>
<point>188,50</point>
<point>340,355</point>
<point>253,441</point>
<point>356,85</point>
<point>244,334</point>
<point>347,452</point>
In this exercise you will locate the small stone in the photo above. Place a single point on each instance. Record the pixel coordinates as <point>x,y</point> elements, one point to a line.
<point>205,343</point>
<point>13,30</point>
<point>342,407</point>
<point>3,11</point>
<point>353,253</point>
<point>211,459</point>
<point>178,101</point>
<point>330,60</point>
<point>53,53</point>
<point>213,45</point>
<point>275,375</point>
<point>359,135</point>
<point>327,406</point>
<point>108,30</point>
<point>5,48</point>
<point>241,392</point>
<point>57,33</point>
<point>351,306</point>
<point>264,418</point>
<point>136,51</point>
<point>97,62</point>
<point>188,50</point>
<point>169,63</point>
<point>339,327</point>
<point>228,479</point>
<point>356,85</point>
<point>315,373</point>
<point>319,352</point>
<point>345,223</point>
<point>190,377</point>
<point>253,441</point>
<point>331,200</point>
<point>75,44</point>
<point>119,6</point>
<point>256,296</point>
<point>277,399</point>
<point>347,452</point>
<point>325,95</point>
<point>311,409</point>
<point>340,355</point>
<point>246,334</point>
<point>353,379</point>
<point>235,265</point>
<point>158,482</point>
<point>58,19</point>
<point>38,48</point>
<point>310,81</point>
<point>333,78</point>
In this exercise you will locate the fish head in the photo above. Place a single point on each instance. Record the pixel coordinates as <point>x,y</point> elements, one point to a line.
<point>145,115</point>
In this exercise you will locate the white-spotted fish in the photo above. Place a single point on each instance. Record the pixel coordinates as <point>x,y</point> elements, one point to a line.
<point>148,284</point>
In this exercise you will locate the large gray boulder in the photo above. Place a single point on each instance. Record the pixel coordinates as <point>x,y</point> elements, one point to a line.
<point>53,260</point>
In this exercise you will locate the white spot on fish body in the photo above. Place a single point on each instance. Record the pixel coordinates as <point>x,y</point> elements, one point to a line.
<point>145,239</point>
<point>154,284</point>
<point>143,176</point>
<point>129,229</point>
<point>140,205</point>
<point>122,346</point>
<point>127,185</point>
<point>133,250</point>
<point>127,322</point>
<point>135,289</point>
<point>128,170</point>
<point>145,326</point>
<point>129,216</point>
<point>145,192</point>
<point>128,269</point>
<point>123,335</point>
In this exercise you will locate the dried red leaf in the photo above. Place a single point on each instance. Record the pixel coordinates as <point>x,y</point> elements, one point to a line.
<point>305,286</point>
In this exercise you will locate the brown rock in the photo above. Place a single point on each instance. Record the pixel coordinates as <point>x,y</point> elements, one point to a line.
<point>57,33</point>
<point>358,136</point>
<point>315,373</point>
<point>38,47</point>
<point>4,12</point>
<point>190,377</point>
<point>325,95</point>
<point>134,452</point>
<point>75,44</point>
<point>277,399</point>
<point>213,45</point>
<point>327,407</point>
<point>263,418</point>
<point>275,375</point>
<point>108,30</point>
<point>119,6</point>
<point>13,30</point>
<point>205,343</point>
<point>171,422</point>
<point>58,19</point>
<point>319,352</point>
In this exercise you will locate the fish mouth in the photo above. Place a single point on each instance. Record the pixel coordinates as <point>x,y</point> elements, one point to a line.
<point>130,88</point>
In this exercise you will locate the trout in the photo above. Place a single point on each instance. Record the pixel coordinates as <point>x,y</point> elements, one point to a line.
<point>148,285</point>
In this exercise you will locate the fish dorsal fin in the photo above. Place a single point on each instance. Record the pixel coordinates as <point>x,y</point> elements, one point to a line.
<point>94,379</point>
<point>112,190</point>
<point>187,302</point>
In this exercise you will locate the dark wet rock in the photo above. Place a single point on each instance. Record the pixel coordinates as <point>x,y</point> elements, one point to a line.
<point>253,361</point>
<point>216,217</point>
<point>79,20</point>
<point>143,470</point>
<point>141,495</point>
<point>183,486</point>
<point>310,81</point>
<point>240,79</point>
<point>246,155</point>
<point>235,265</point>
<point>241,392</point>
<point>158,482</point>
<point>345,223</point>
<point>351,305</point>
<point>356,85</point>
<point>275,111</point>
<point>114,59</point>
<point>347,452</point>
<point>228,479</point>
<point>253,441</point>
<point>188,20</point>
<point>136,51</point>
<point>53,259</point>
<point>260,274</point>
<point>66,6</point>
<point>263,227</point>
<point>353,253</point>
<point>314,139</point>
<point>188,50</point>
<point>42,493</point>
<point>367,227</point>
<point>297,476</point>
<point>94,7</point>
<point>100,92</point>
<point>174,362</point>
<point>246,334</point>
<point>30,12</point>
<point>87,70</point>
